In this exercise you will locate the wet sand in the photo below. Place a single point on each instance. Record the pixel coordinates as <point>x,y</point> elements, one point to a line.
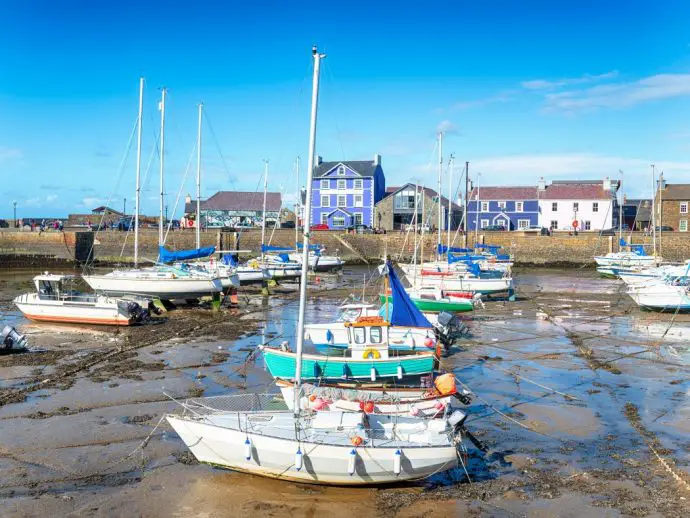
<point>582,406</point>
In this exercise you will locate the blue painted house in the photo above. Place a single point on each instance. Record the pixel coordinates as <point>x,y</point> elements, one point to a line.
<point>344,193</point>
<point>515,208</point>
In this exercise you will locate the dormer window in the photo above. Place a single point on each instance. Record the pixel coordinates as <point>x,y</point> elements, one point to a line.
<point>341,170</point>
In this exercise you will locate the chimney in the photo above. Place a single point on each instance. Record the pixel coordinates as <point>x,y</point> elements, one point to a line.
<point>319,160</point>
<point>541,185</point>
<point>377,159</point>
<point>607,184</point>
<point>188,199</point>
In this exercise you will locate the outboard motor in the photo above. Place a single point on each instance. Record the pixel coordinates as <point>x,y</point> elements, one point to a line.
<point>11,340</point>
<point>137,312</point>
<point>449,328</point>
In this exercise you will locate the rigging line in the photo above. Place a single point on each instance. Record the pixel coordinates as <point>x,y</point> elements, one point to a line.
<point>231,178</point>
<point>179,192</point>
<point>331,78</point>
<point>117,183</point>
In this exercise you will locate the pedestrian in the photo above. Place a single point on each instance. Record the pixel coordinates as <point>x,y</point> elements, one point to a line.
<point>60,225</point>
<point>33,225</point>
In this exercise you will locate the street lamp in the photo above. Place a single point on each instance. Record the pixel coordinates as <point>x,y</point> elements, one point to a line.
<point>15,213</point>
<point>124,207</point>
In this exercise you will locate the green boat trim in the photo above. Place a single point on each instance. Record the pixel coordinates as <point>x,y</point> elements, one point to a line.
<point>436,305</point>
<point>282,364</point>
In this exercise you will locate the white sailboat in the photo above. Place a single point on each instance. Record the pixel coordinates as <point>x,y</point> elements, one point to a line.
<point>259,435</point>
<point>162,282</point>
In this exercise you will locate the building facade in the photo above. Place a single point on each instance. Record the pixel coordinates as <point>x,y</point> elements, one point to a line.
<point>515,208</point>
<point>234,209</point>
<point>672,202</point>
<point>578,204</point>
<point>396,210</point>
<point>344,193</point>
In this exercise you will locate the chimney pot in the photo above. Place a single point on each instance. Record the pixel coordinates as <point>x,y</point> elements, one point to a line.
<point>188,199</point>
<point>541,184</point>
<point>377,159</point>
<point>319,160</point>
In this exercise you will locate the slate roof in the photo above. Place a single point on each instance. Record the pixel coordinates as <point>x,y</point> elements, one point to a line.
<point>676,191</point>
<point>518,193</point>
<point>365,168</point>
<point>238,200</point>
<point>559,190</point>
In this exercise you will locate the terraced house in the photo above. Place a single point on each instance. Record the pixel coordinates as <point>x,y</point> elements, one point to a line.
<point>515,208</point>
<point>672,203</point>
<point>344,193</point>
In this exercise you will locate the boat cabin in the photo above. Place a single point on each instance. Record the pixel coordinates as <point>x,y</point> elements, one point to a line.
<point>351,312</point>
<point>368,337</point>
<point>53,285</point>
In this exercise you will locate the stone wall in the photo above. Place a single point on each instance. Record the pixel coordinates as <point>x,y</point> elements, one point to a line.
<point>32,248</point>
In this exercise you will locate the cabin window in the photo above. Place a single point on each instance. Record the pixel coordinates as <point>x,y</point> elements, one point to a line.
<point>683,207</point>
<point>588,225</point>
<point>485,206</point>
<point>325,184</point>
<point>375,335</point>
<point>325,201</point>
<point>554,206</point>
<point>359,335</point>
<point>359,200</point>
<point>342,200</point>
<point>523,224</point>
<point>341,170</point>
<point>518,206</point>
<point>595,206</point>
<point>683,225</point>
<point>341,185</point>
<point>359,185</point>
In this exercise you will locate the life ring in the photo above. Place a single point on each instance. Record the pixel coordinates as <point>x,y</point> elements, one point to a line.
<point>371,354</point>
<point>190,223</point>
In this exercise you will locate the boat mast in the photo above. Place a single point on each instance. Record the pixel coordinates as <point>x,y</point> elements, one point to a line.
<point>198,179</point>
<point>478,205</point>
<point>138,185</point>
<point>263,211</point>
<point>421,234</point>
<point>653,211</point>
<point>450,198</point>
<point>439,205</point>
<point>464,214</point>
<point>307,223</point>
<point>620,209</point>
<point>161,221</point>
<point>416,226</point>
<point>298,203</point>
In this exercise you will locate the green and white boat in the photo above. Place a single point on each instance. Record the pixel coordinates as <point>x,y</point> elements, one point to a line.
<point>436,300</point>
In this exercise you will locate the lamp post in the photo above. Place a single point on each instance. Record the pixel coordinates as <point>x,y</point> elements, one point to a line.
<point>14,203</point>
<point>124,207</point>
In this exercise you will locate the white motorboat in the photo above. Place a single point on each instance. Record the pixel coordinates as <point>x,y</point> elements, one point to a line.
<point>664,295</point>
<point>318,262</point>
<point>165,283</point>
<point>626,259</point>
<point>54,301</point>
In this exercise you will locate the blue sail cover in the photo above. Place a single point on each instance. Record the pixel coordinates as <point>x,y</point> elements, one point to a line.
<point>404,313</point>
<point>311,247</point>
<point>622,242</point>
<point>268,248</point>
<point>442,249</point>
<point>453,258</point>
<point>166,256</point>
<point>230,260</point>
<point>638,249</point>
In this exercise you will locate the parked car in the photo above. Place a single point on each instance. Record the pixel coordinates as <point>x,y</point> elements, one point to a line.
<point>495,228</point>
<point>608,232</point>
<point>319,226</point>
<point>664,228</point>
<point>126,223</point>
<point>360,229</point>
<point>287,224</point>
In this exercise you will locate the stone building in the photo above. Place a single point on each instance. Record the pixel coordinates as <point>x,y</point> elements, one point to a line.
<point>672,204</point>
<point>234,209</point>
<point>396,210</point>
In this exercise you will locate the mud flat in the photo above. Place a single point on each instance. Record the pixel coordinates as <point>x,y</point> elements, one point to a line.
<point>582,408</point>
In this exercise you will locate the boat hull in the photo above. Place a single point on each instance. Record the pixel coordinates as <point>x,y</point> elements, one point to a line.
<point>165,288</point>
<point>102,311</point>
<point>437,305</point>
<point>323,464</point>
<point>282,365</point>
<point>334,336</point>
<point>475,285</point>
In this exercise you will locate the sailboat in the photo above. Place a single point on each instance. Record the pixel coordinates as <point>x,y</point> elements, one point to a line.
<point>260,435</point>
<point>163,282</point>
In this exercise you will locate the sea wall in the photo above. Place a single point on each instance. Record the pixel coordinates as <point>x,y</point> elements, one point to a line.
<point>110,247</point>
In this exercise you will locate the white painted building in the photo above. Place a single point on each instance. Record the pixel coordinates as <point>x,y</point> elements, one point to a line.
<point>585,204</point>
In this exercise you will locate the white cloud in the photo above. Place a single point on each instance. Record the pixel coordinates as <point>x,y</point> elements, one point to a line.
<point>51,198</point>
<point>620,95</point>
<point>9,154</point>
<point>447,127</point>
<point>544,84</point>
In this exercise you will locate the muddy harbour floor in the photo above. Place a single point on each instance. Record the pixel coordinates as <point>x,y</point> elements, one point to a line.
<point>581,401</point>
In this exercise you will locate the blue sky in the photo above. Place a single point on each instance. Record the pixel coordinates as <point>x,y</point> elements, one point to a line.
<point>556,89</point>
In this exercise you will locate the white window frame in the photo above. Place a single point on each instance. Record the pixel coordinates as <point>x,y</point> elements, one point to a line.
<point>325,184</point>
<point>342,185</point>
<point>502,205</point>
<point>554,206</point>
<point>683,205</point>
<point>357,203</point>
<point>523,224</point>
<point>485,206</point>
<point>344,200</point>
<point>484,223</point>
<point>554,224</point>
<point>682,225</point>
<point>324,218</point>
<point>519,206</point>
<point>358,218</point>
<point>587,225</point>
<point>341,170</point>
<point>338,221</point>
<point>576,206</point>
<point>595,206</point>
<point>358,184</point>
<point>327,198</point>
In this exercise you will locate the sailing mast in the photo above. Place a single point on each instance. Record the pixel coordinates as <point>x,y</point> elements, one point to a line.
<point>161,221</point>
<point>416,226</point>
<point>464,213</point>
<point>307,223</point>
<point>263,211</point>
<point>298,203</point>
<point>198,179</point>
<point>620,210</point>
<point>138,184</point>
<point>439,205</point>
<point>478,205</point>
<point>653,211</point>
<point>450,198</point>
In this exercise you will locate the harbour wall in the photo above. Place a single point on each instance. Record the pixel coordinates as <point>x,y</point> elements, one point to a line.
<point>34,249</point>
